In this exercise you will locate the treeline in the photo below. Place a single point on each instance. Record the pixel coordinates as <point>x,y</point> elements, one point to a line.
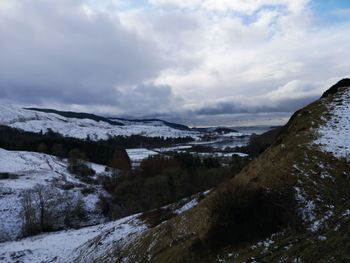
<point>95,151</point>
<point>161,180</point>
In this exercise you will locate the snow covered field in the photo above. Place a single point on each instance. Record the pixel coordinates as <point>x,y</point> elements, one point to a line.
<point>27,170</point>
<point>139,154</point>
<point>34,121</point>
<point>83,245</point>
<point>334,135</point>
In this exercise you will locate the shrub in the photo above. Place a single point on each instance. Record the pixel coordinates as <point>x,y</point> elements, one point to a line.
<point>80,168</point>
<point>211,162</point>
<point>155,165</point>
<point>120,160</point>
<point>244,212</point>
<point>111,207</point>
<point>74,210</point>
<point>87,190</point>
<point>156,191</point>
<point>40,207</point>
<point>45,209</point>
<point>4,176</point>
<point>58,150</point>
<point>42,148</point>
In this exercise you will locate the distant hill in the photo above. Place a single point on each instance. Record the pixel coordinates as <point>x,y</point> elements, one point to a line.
<point>170,124</point>
<point>77,115</point>
<point>88,126</point>
<point>215,129</point>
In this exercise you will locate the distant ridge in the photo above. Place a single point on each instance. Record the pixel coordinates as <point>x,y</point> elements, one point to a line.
<point>112,121</point>
<point>170,124</point>
<point>77,115</point>
<point>335,88</point>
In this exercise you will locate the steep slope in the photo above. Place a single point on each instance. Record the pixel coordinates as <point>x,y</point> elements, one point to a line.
<point>309,158</point>
<point>82,126</point>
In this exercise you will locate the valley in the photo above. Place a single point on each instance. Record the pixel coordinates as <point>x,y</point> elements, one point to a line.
<point>166,197</point>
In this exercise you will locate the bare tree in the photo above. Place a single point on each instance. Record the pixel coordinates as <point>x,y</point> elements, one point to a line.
<point>40,206</point>
<point>46,208</point>
<point>29,216</point>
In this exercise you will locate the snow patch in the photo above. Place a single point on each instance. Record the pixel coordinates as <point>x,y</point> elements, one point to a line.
<point>139,154</point>
<point>334,133</point>
<point>187,206</point>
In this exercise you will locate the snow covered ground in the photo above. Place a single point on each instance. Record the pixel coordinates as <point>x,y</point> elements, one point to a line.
<point>220,154</point>
<point>83,245</point>
<point>34,121</point>
<point>29,169</point>
<point>139,154</point>
<point>334,135</point>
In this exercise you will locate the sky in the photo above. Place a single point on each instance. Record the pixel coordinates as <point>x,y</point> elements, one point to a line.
<point>200,62</point>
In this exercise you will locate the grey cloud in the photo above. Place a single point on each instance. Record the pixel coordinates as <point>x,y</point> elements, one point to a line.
<point>147,99</point>
<point>55,51</point>
<point>234,107</point>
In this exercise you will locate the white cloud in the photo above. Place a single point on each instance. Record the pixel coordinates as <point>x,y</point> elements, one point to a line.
<point>246,7</point>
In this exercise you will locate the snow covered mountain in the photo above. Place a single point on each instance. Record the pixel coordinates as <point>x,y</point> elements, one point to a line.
<point>82,126</point>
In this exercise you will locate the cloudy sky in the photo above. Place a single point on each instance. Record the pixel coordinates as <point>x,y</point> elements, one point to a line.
<point>202,62</point>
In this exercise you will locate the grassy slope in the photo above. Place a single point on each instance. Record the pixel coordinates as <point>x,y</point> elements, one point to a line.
<point>292,161</point>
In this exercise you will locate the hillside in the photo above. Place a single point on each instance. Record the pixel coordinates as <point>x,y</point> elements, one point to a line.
<point>24,171</point>
<point>83,126</point>
<point>89,244</point>
<point>310,159</point>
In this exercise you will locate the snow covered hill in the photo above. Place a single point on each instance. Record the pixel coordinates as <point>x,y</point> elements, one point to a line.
<point>88,244</point>
<point>81,128</point>
<point>83,245</point>
<point>20,171</point>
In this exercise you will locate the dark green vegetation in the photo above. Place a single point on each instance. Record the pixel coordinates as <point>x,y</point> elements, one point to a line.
<point>246,212</point>
<point>8,176</point>
<point>162,180</point>
<point>78,115</point>
<point>100,152</point>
